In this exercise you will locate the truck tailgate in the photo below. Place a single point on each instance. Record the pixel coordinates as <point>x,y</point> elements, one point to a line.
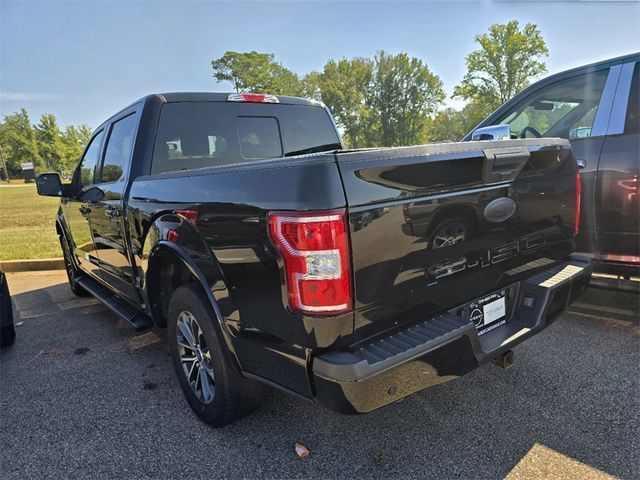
<point>435,226</point>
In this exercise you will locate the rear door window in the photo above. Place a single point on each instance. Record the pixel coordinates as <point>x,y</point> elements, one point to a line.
<point>118,151</point>
<point>195,135</point>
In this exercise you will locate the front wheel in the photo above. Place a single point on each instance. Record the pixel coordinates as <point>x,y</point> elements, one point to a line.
<point>211,383</point>
<point>71,269</point>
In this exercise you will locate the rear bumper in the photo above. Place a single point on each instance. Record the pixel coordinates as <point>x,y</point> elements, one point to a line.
<point>444,347</point>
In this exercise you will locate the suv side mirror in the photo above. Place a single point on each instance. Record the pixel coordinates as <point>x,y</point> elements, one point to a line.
<point>49,184</point>
<point>492,132</point>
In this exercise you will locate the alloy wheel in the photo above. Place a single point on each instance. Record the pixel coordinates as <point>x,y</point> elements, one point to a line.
<point>195,357</point>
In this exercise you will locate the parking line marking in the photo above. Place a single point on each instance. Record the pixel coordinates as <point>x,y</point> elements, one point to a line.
<point>544,462</point>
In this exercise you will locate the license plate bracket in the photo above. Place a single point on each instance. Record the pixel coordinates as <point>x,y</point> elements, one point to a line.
<point>488,312</point>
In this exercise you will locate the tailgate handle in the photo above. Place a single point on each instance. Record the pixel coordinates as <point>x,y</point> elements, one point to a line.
<point>503,164</point>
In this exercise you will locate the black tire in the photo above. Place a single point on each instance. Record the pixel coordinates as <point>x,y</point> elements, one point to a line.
<point>72,270</point>
<point>232,396</point>
<point>7,335</point>
<point>7,332</point>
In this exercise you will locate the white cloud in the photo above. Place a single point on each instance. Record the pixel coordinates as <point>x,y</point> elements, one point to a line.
<point>25,97</point>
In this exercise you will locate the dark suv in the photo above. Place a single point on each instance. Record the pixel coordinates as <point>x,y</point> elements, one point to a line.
<point>597,108</point>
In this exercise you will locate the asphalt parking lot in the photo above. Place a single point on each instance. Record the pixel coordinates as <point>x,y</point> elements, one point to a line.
<point>83,395</point>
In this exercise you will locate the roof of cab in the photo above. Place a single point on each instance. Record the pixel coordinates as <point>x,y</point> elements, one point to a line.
<point>222,97</point>
<point>631,57</point>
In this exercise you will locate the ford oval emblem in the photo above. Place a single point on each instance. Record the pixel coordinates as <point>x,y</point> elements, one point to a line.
<point>499,210</point>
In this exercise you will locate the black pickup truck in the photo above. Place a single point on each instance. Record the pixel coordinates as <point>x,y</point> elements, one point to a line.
<point>274,256</point>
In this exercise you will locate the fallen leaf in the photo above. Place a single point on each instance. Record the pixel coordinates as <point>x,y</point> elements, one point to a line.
<point>302,451</point>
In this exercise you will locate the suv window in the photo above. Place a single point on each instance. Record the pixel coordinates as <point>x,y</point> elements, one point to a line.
<point>563,109</point>
<point>118,151</point>
<point>632,122</point>
<point>89,162</point>
<point>204,134</point>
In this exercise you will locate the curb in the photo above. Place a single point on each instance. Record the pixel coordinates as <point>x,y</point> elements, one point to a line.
<point>32,265</point>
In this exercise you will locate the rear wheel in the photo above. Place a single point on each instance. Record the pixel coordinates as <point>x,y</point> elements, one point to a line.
<point>71,269</point>
<point>211,383</point>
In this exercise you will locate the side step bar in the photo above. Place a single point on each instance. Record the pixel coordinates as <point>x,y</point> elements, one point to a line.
<point>138,320</point>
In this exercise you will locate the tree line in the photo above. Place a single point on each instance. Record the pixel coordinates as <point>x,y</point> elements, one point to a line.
<point>387,100</point>
<point>49,147</point>
<point>396,99</point>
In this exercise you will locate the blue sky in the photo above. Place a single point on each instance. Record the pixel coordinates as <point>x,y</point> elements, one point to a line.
<point>83,61</point>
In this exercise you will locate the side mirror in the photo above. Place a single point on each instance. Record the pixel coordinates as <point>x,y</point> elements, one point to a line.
<point>492,132</point>
<point>49,184</point>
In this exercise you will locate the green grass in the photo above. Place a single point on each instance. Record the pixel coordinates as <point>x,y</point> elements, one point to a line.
<point>27,224</point>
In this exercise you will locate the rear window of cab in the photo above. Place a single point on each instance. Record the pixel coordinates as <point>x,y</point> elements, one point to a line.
<point>195,135</point>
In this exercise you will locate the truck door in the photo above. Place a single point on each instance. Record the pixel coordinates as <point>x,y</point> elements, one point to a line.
<point>618,184</point>
<point>107,214</point>
<point>77,209</point>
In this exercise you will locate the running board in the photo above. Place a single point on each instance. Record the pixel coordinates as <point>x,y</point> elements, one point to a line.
<point>138,320</point>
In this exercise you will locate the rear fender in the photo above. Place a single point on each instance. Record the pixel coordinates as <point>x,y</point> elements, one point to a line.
<point>188,250</point>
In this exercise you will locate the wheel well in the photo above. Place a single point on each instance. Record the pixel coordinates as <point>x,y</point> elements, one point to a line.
<point>455,211</point>
<point>167,272</point>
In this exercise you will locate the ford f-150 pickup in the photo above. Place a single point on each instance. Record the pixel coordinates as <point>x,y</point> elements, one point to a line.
<point>274,256</point>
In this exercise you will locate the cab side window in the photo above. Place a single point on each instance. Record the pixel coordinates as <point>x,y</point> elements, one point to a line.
<point>566,108</point>
<point>88,167</point>
<point>118,151</point>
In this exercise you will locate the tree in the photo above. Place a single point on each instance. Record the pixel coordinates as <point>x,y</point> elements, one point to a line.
<point>346,86</point>
<point>256,72</point>
<point>406,95</point>
<point>448,126</point>
<point>50,143</point>
<point>74,141</point>
<point>18,142</point>
<point>508,58</point>
<point>45,144</point>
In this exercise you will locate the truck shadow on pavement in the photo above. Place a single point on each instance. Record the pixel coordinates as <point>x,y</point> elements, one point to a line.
<point>85,393</point>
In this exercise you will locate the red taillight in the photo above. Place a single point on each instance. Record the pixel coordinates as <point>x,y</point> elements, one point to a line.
<point>576,227</point>
<point>252,97</point>
<point>173,235</point>
<point>315,250</point>
<point>191,215</point>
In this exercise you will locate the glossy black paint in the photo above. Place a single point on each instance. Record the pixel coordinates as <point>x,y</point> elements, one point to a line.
<point>610,207</point>
<point>396,199</point>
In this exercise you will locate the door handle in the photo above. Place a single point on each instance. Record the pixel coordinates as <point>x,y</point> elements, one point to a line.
<point>84,210</point>
<point>581,164</point>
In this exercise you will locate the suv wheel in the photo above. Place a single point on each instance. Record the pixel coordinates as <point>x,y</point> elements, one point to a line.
<point>211,383</point>
<point>72,271</point>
